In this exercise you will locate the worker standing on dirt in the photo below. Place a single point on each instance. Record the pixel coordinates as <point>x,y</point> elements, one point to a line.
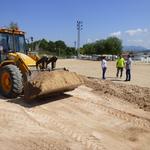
<point>120,65</point>
<point>128,68</point>
<point>104,67</point>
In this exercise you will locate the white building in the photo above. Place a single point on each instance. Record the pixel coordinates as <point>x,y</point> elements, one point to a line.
<point>142,56</point>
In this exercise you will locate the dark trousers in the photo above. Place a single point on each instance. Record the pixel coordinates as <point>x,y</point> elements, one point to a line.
<point>119,69</point>
<point>128,74</point>
<point>103,72</point>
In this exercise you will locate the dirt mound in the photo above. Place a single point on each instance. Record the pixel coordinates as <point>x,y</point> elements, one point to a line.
<point>45,83</point>
<point>131,93</point>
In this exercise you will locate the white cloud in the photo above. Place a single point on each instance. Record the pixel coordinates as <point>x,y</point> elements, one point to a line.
<point>116,33</point>
<point>132,32</point>
<point>137,36</point>
<point>97,39</point>
<point>89,40</point>
<point>139,42</point>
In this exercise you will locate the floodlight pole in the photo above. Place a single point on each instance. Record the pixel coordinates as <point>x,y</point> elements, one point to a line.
<point>79,28</point>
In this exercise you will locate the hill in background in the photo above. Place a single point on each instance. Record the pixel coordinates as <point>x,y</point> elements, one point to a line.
<point>134,48</point>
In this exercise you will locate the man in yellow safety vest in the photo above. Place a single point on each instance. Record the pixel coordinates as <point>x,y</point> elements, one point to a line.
<point>120,64</point>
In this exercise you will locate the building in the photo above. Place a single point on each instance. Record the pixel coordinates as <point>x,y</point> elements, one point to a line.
<point>142,56</point>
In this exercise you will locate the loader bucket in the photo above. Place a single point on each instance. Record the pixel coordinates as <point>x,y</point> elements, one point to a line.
<point>47,83</point>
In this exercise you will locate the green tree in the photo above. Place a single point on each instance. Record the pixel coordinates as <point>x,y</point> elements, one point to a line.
<point>13,26</point>
<point>60,47</point>
<point>99,47</point>
<point>70,51</point>
<point>44,45</point>
<point>88,49</point>
<point>51,46</point>
<point>113,45</point>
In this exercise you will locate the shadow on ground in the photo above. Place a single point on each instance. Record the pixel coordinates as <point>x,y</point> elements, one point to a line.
<point>38,101</point>
<point>109,78</point>
<point>120,80</point>
<point>115,79</point>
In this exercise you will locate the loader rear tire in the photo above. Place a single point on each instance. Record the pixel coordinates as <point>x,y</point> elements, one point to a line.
<point>11,81</point>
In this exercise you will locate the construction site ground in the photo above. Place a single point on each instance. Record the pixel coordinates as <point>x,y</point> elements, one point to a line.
<point>99,115</point>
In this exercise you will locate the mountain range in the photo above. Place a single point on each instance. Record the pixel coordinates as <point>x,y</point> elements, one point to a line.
<point>134,48</point>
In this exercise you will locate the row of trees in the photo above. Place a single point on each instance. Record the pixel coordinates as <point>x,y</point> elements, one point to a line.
<point>58,48</point>
<point>111,45</point>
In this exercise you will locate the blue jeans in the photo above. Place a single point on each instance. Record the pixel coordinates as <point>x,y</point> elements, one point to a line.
<point>128,74</point>
<point>103,72</point>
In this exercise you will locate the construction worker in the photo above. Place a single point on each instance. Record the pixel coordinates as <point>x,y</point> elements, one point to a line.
<point>120,64</point>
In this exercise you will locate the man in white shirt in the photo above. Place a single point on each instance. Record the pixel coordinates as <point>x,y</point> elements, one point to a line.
<point>128,68</point>
<point>104,67</point>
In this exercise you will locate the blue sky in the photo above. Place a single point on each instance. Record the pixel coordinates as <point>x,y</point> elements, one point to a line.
<point>56,19</point>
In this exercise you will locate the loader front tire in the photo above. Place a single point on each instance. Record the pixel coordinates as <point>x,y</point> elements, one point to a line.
<point>11,81</point>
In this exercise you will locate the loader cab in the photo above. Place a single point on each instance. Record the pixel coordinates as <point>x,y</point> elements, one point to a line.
<point>11,41</point>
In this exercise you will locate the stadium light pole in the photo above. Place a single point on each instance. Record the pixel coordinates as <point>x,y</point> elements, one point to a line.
<point>79,28</point>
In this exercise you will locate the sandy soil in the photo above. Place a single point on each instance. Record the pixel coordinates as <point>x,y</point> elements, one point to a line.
<point>97,115</point>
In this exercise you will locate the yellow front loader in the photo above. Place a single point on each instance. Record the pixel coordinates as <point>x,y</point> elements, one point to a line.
<point>23,73</point>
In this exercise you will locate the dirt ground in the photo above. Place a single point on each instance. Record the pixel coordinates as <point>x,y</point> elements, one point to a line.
<point>99,115</point>
<point>140,71</point>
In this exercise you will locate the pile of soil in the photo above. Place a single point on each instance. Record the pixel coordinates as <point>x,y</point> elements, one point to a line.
<point>44,83</point>
<point>131,93</point>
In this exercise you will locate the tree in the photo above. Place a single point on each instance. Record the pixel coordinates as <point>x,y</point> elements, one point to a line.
<point>60,44</point>
<point>113,45</point>
<point>70,51</point>
<point>13,26</point>
<point>44,45</point>
<point>99,47</point>
<point>88,49</point>
<point>60,47</point>
<point>51,46</point>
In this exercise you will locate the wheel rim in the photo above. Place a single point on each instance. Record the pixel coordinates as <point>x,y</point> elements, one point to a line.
<point>6,82</point>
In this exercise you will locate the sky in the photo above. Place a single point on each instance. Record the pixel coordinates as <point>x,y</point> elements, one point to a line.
<point>54,20</point>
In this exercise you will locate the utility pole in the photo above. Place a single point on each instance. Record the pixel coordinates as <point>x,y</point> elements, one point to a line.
<point>79,28</point>
<point>75,48</point>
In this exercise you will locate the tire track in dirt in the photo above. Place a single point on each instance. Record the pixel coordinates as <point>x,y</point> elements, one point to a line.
<point>41,144</point>
<point>85,139</point>
<point>136,120</point>
<point>49,146</point>
<point>29,144</point>
<point>12,115</point>
<point>38,143</point>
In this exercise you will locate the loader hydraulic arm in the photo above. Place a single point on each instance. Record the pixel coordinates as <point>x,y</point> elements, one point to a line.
<point>44,61</point>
